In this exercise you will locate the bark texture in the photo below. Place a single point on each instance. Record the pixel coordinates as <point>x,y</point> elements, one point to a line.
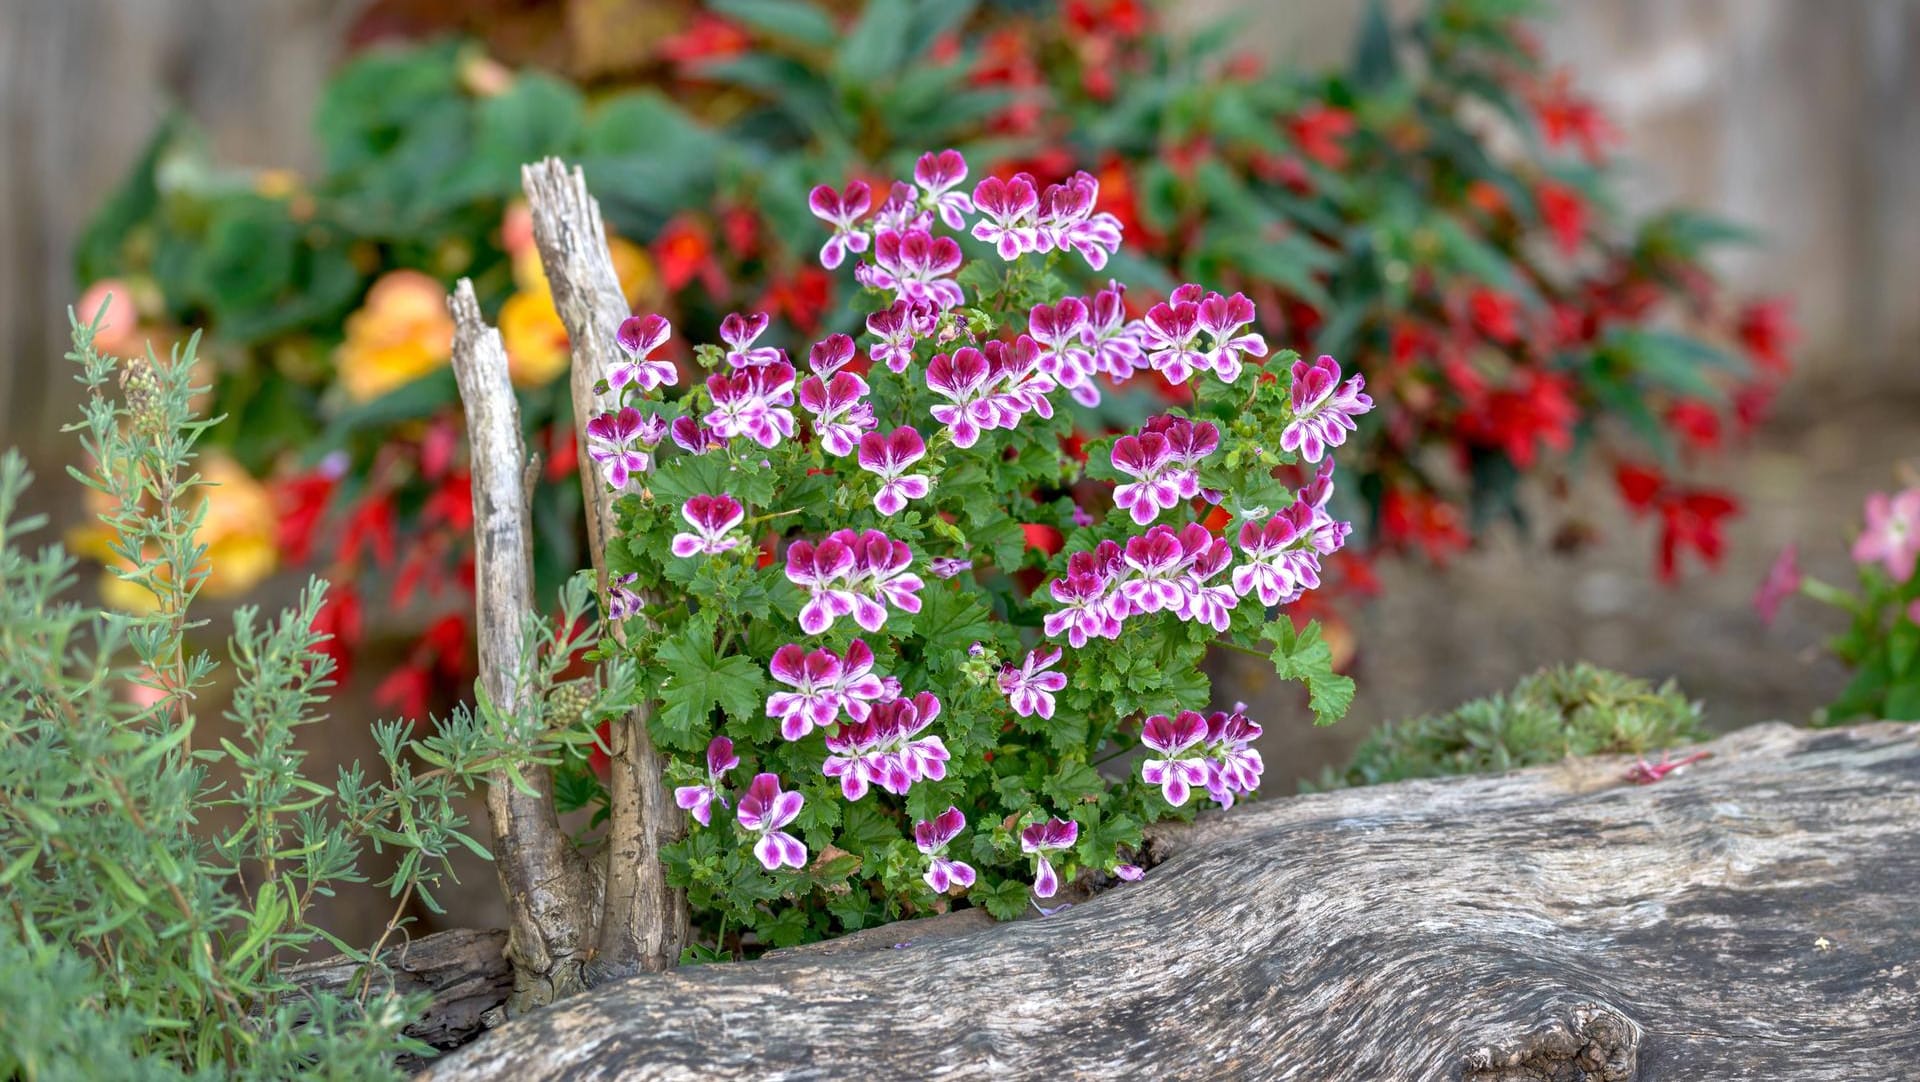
<point>464,971</point>
<point>545,880</point>
<point>643,924</point>
<point>1749,918</point>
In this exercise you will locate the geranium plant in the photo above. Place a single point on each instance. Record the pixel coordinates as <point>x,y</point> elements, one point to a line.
<point>1881,644</point>
<point>1441,214</point>
<point>871,709</point>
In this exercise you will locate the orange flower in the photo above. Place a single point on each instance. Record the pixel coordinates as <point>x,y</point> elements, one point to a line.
<point>401,333</point>
<point>530,326</point>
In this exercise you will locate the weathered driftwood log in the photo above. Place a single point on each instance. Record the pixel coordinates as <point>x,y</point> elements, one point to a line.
<point>1753,917</point>
<point>643,923</point>
<point>463,971</point>
<point>546,881</point>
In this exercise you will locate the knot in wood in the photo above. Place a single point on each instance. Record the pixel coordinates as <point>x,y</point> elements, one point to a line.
<point>1589,1042</point>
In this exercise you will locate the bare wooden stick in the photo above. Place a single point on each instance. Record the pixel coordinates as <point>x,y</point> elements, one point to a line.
<point>546,881</point>
<point>463,972</point>
<point>1749,918</point>
<point>643,923</point>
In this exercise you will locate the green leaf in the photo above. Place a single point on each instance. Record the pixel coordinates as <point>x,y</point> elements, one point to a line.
<point>1304,655</point>
<point>1005,899</point>
<point>877,44</point>
<point>698,679</point>
<point>1374,63</point>
<point>796,20</point>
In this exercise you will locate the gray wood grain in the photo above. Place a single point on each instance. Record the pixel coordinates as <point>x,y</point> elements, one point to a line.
<point>546,881</point>
<point>1750,918</point>
<point>643,922</point>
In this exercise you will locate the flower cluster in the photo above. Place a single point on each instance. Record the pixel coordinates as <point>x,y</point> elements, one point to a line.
<point>857,574</point>
<point>885,748</point>
<point>1214,752</point>
<point>754,512</point>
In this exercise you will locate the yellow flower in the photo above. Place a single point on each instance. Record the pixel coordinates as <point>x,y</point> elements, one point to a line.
<point>238,531</point>
<point>530,326</point>
<point>400,333</point>
<point>535,338</point>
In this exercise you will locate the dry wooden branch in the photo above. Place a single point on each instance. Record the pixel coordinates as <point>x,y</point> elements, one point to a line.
<point>643,924</point>
<point>1750,918</point>
<point>546,881</point>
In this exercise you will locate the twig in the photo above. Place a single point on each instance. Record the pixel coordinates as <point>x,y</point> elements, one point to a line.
<point>549,893</point>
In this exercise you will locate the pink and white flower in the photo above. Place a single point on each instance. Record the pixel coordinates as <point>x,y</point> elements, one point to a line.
<point>840,412</point>
<point>1061,330</point>
<point>890,457</point>
<point>857,685</point>
<point>1323,408</point>
<point>1204,603</point>
<point>698,799</point>
<point>1170,335</point>
<point>857,574</point>
<point>841,210</point>
<point>764,810</point>
<point>1175,771</point>
<point>1157,479</point>
<point>1067,220</point>
<point>1030,688</point>
<point>713,519</point>
<point>901,211</point>
<point>947,567</point>
<point>1010,215</point>
<point>1281,562</point>
<point>753,402</point>
<point>931,837</point>
<point>1892,535</point>
<point>965,379</point>
<point>740,333</point>
<point>1091,605</point>
<point>937,175</point>
<point>622,443</point>
<point>1233,763</point>
<point>898,327</point>
<point>1226,319</point>
<point>1019,381</point>
<point>694,437</point>
<point>885,748</point>
<point>623,600</point>
<point>830,355</point>
<point>1156,560</point>
<point>1112,340</point>
<point>638,338</point>
<point>1042,838</point>
<point>814,701</point>
<point>917,266</point>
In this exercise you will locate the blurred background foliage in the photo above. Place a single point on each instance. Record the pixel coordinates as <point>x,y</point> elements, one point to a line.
<point>1441,211</point>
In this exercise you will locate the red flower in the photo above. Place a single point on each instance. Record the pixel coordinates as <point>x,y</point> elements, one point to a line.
<point>341,619</point>
<point>1539,411</point>
<point>1042,537</point>
<point>451,504</point>
<point>683,250</point>
<point>1318,130</point>
<point>1766,330</point>
<point>1566,116</point>
<point>740,228</point>
<point>1692,520</point>
<point>1419,517</point>
<point>1496,314</point>
<point>801,298</point>
<point>563,452</point>
<point>1697,423</point>
<point>708,37</point>
<point>1564,210</point>
<point>1640,486</point>
<point>302,501</point>
<point>405,691</point>
<point>371,524</point>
